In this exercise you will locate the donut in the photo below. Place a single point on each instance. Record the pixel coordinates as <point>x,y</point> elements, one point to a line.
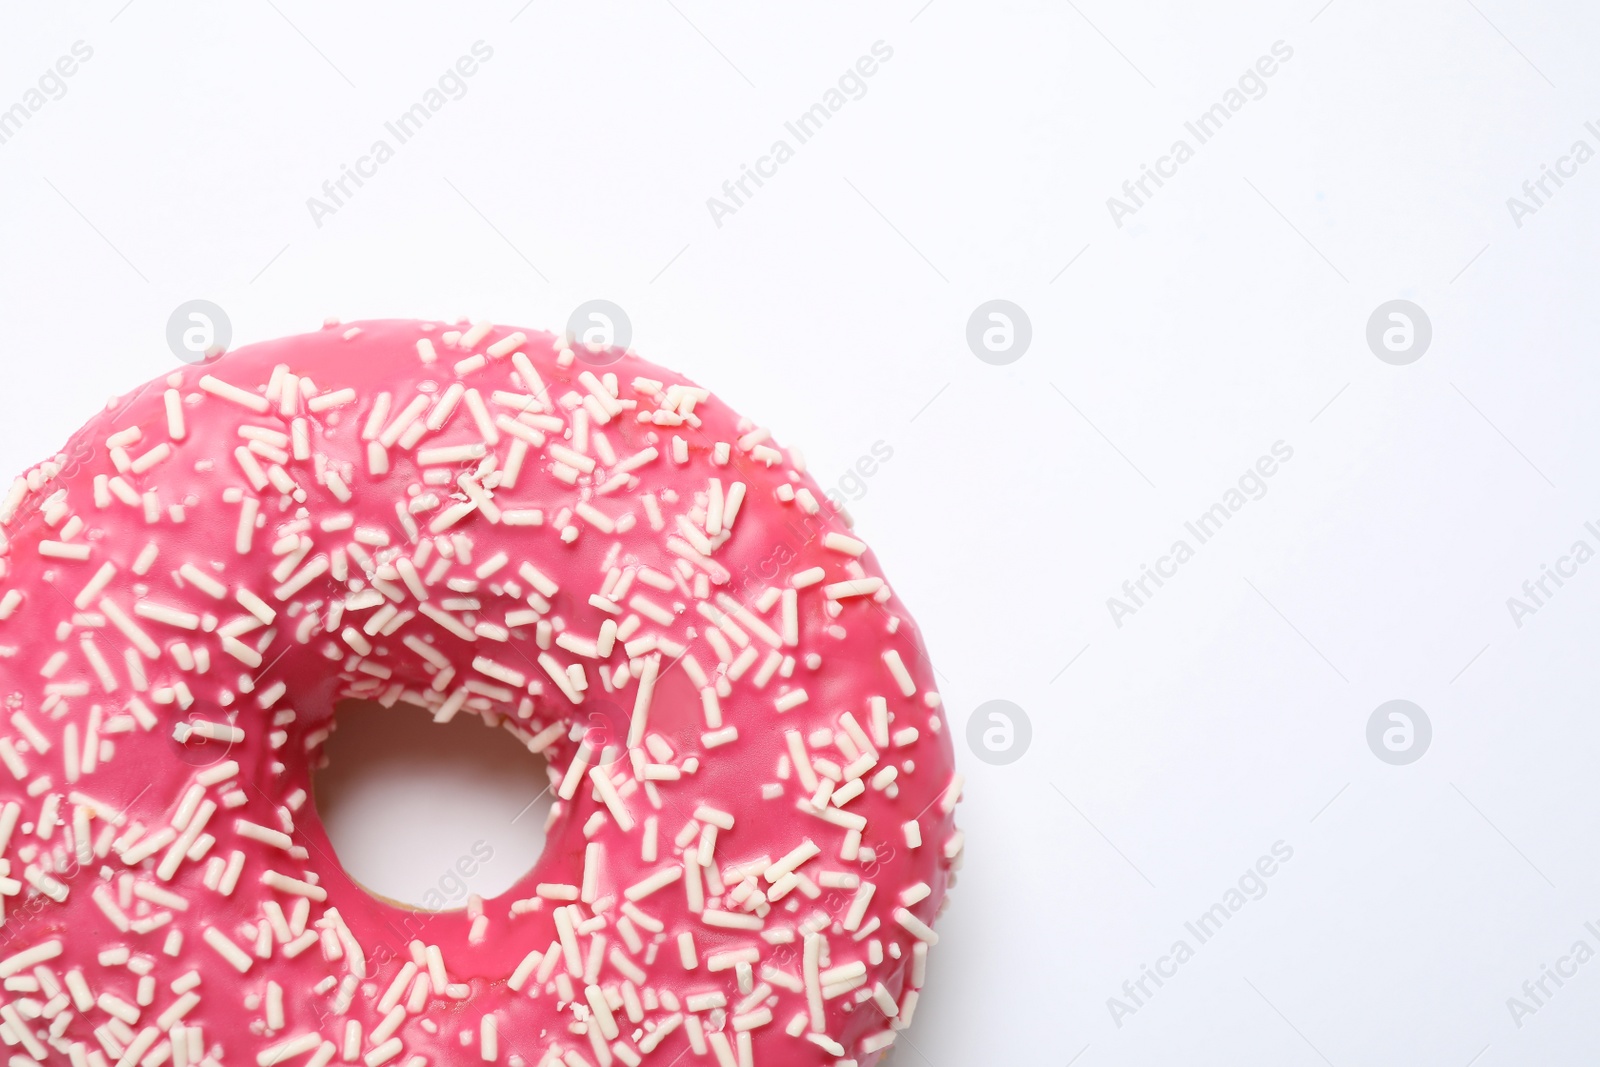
<point>752,829</point>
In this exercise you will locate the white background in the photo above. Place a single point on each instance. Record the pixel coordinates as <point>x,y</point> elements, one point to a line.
<point>1229,313</point>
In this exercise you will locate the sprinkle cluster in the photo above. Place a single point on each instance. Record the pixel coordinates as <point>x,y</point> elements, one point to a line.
<point>753,827</point>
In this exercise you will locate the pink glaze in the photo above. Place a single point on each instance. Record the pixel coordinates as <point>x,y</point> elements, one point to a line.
<point>125,825</point>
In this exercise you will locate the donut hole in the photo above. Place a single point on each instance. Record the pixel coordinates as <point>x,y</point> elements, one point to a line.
<point>424,814</point>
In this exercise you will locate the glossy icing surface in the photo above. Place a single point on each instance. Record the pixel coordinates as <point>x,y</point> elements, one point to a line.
<point>753,831</point>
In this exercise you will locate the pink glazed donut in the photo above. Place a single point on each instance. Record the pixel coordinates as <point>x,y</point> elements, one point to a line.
<point>753,828</point>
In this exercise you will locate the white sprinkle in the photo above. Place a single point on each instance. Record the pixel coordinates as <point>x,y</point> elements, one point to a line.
<point>181,1007</point>
<point>151,458</point>
<point>230,874</point>
<point>203,581</point>
<point>595,517</point>
<point>266,835</point>
<point>641,703</point>
<point>918,928</point>
<point>578,460</point>
<point>232,953</point>
<point>481,416</point>
<point>451,515</point>
<point>13,499</point>
<point>384,1052</point>
<point>536,578</point>
<point>92,589</point>
<point>852,587</point>
<point>130,629</point>
<point>902,677</point>
<point>448,621</point>
<point>247,463</point>
<point>174,406</point>
<point>728,920</point>
<point>169,615</point>
<point>311,571</point>
<point>715,816</point>
<point>717,738</point>
<point>294,886</point>
<point>795,857</point>
<point>451,454</point>
<point>287,1050</point>
<point>635,461</point>
<point>225,391</point>
<point>952,793</point>
<point>809,576</point>
<point>499,671</point>
<point>811,963</point>
<point>47,950</point>
<point>840,543</point>
<point>525,970</point>
<point>337,398</point>
<point>601,778</point>
<point>659,880</point>
<point>476,333</point>
<point>216,731</point>
<point>489,1038</point>
<point>247,524</point>
<point>508,344</point>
